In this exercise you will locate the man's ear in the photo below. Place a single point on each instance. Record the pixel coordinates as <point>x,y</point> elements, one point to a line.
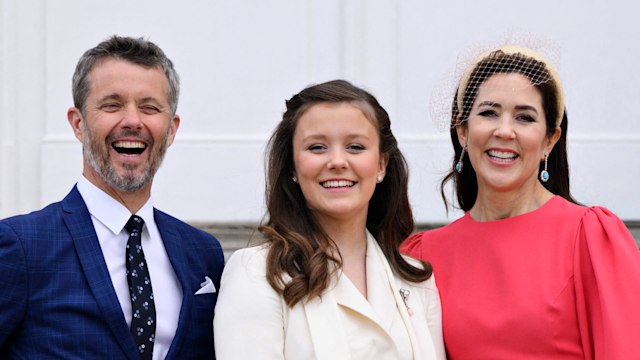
<point>75,118</point>
<point>173,129</point>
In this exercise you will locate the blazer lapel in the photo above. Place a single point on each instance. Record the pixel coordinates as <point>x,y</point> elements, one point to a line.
<point>379,290</point>
<point>422,347</point>
<point>395,283</point>
<point>173,246</point>
<point>78,222</point>
<point>346,294</point>
<point>328,338</point>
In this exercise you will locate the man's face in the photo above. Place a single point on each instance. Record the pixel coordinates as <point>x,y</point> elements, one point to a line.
<point>126,125</point>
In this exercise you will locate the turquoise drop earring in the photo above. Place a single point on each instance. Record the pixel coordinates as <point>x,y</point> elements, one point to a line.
<point>458,166</point>
<point>544,174</point>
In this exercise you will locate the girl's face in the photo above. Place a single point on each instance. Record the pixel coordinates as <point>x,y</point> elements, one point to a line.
<point>337,160</point>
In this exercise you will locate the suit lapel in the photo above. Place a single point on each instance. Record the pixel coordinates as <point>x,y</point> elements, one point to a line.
<point>173,245</point>
<point>78,222</point>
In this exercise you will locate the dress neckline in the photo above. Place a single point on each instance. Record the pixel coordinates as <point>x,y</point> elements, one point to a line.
<point>468,218</point>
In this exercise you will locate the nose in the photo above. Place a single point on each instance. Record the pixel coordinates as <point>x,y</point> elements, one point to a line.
<point>504,129</point>
<point>337,160</point>
<point>131,118</point>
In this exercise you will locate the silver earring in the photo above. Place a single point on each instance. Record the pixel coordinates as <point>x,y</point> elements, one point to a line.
<point>544,174</point>
<point>379,178</point>
<point>458,166</point>
<point>295,179</point>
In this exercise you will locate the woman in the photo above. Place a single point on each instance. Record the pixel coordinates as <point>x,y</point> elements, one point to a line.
<point>526,273</point>
<point>329,282</point>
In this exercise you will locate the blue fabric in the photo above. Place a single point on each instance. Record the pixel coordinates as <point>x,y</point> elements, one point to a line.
<point>56,296</point>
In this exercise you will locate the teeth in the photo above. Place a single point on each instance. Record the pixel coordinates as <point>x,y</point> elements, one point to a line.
<point>129,144</point>
<point>502,154</point>
<point>337,183</point>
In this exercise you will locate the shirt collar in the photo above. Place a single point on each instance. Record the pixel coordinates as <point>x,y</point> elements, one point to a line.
<point>108,210</point>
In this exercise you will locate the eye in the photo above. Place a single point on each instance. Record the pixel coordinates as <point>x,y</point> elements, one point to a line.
<point>488,113</point>
<point>316,148</point>
<point>150,109</point>
<point>110,107</point>
<point>355,148</point>
<point>525,118</point>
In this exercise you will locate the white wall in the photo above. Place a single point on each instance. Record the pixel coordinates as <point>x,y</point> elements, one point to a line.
<point>239,60</point>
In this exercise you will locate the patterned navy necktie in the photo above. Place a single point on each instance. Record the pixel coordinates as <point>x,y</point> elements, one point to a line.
<point>143,309</point>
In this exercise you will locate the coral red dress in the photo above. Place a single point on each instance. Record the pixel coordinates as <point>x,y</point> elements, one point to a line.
<point>560,282</point>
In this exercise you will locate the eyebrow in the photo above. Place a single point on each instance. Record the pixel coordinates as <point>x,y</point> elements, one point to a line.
<point>151,99</point>
<point>323,136</point>
<point>110,97</point>
<point>518,107</point>
<point>116,96</point>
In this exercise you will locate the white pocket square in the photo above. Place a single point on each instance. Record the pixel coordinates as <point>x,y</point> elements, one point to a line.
<point>206,287</point>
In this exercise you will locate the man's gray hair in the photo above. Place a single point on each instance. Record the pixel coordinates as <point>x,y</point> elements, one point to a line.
<point>137,51</point>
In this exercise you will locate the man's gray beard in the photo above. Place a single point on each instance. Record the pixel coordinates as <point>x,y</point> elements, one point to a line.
<point>128,182</point>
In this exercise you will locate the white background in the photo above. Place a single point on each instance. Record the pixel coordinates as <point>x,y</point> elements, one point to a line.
<point>239,60</point>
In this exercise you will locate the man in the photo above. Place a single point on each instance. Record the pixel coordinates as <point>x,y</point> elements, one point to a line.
<point>84,277</point>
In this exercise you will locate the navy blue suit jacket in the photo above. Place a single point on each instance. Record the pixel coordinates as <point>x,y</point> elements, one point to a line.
<point>56,295</point>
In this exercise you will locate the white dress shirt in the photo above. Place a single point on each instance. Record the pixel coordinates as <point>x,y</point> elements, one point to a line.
<point>109,218</point>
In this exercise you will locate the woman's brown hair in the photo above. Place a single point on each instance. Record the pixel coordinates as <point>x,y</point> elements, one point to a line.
<point>299,261</point>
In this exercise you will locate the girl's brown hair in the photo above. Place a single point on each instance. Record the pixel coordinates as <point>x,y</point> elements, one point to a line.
<point>299,261</point>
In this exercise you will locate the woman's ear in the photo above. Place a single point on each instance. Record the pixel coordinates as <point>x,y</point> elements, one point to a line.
<point>553,139</point>
<point>384,161</point>
<point>462,131</point>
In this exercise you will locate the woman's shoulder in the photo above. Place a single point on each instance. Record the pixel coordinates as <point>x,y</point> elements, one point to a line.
<point>595,229</point>
<point>564,210</point>
<point>252,259</point>
<point>413,244</point>
<point>430,283</point>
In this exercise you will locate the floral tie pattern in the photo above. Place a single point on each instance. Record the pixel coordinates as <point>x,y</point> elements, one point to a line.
<point>143,309</point>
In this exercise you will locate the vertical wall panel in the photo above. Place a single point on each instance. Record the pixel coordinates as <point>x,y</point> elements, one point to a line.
<point>23,97</point>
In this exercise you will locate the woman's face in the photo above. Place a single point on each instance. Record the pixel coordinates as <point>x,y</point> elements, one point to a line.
<point>337,160</point>
<point>506,133</point>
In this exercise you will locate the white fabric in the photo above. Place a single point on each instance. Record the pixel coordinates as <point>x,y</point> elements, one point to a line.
<point>109,217</point>
<point>252,320</point>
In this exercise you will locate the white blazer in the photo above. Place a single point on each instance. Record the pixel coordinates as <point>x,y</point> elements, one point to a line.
<point>253,322</point>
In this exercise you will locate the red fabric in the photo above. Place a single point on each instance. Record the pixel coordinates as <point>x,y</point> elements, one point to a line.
<point>561,282</point>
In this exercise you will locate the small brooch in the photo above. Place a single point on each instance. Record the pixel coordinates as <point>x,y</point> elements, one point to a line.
<point>404,293</point>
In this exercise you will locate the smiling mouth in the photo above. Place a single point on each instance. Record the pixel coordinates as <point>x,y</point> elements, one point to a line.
<point>129,147</point>
<point>337,184</point>
<point>502,156</point>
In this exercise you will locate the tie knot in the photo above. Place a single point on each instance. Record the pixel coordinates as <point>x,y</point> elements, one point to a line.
<point>134,225</point>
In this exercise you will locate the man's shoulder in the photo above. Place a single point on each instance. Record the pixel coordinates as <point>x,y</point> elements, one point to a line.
<point>71,202</point>
<point>48,214</point>
<point>165,220</point>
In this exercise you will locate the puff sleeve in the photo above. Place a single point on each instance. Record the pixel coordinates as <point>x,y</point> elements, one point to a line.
<point>607,285</point>
<point>412,246</point>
